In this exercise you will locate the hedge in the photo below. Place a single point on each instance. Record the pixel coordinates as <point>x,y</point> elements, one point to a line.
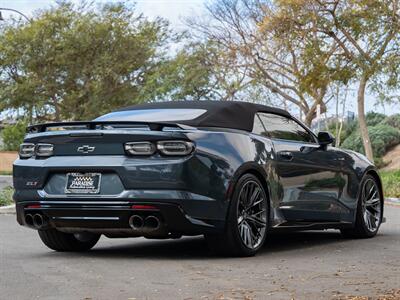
<point>382,137</point>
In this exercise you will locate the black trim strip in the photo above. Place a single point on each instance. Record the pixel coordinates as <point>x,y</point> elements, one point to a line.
<point>92,125</point>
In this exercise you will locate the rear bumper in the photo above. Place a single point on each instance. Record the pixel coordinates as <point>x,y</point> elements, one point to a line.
<point>190,191</point>
<point>180,212</point>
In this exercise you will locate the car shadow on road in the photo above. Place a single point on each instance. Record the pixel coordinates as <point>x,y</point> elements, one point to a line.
<point>196,247</point>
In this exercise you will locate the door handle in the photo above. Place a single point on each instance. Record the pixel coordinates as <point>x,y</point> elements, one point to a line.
<point>286,155</point>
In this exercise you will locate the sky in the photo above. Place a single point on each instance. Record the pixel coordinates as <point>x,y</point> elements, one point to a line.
<point>175,11</point>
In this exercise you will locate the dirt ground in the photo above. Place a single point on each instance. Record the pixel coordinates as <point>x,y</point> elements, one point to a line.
<point>392,158</point>
<point>6,160</point>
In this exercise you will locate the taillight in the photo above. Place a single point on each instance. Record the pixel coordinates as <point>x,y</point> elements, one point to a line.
<point>140,148</point>
<point>44,150</point>
<point>172,148</point>
<point>26,150</point>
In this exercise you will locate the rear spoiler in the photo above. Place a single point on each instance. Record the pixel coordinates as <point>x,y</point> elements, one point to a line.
<point>93,125</point>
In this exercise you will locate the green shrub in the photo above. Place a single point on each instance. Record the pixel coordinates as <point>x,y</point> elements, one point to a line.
<point>331,127</point>
<point>391,183</point>
<point>13,136</point>
<point>382,138</point>
<point>6,196</point>
<point>351,126</point>
<point>347,129</point>
<point>393,121</point>
<point>374,118</point>
<point>380,163</point>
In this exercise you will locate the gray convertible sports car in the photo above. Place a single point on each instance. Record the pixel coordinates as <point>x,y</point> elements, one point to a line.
<point>231,171</point>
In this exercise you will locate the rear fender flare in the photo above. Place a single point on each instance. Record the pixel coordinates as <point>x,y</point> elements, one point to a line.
<point>259,172</point>
<point>372,172</point>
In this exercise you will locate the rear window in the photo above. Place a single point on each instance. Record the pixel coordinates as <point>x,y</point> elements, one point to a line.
<point>154,115</point>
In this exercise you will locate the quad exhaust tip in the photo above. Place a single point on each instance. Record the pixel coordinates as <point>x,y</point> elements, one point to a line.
<point>136,222</point>
<point>37,221</point>
<point>152,223</point>
<point>29,220</point>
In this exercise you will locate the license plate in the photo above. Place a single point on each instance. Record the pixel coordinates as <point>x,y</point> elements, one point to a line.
<point>78,183</point>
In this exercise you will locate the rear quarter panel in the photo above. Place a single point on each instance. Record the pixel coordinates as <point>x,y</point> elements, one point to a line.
<point>355,167</point>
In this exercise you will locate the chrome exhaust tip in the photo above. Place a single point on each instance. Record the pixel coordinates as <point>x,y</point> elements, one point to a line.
<point>136,222</point>
<point>38,221</point>
<point>29,220</point>
<point>152,223</point>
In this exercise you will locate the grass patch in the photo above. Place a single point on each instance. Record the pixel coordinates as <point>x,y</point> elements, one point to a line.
<point>391,183</point>
<point>6,196</point>
<point>5,172</point>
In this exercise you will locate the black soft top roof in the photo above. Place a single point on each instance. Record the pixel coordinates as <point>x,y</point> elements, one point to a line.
<point>225,114</point>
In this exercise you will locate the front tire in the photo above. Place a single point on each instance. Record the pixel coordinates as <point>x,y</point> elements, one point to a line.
<point>68,242</point>
<point>369,213</point>
<point>247,220</point>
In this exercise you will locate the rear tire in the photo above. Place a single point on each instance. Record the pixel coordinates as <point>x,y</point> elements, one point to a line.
<point>369,213</point>
<point>68,242</point>
<point>247,220</point>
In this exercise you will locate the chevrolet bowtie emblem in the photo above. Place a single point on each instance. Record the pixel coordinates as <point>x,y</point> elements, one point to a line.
<point>86,149</point>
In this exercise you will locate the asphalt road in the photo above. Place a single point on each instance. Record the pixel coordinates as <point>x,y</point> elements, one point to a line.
<point>5,181</point>
<point>311,265</point>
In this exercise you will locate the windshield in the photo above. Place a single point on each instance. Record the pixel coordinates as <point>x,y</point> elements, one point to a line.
<point>153,115</point>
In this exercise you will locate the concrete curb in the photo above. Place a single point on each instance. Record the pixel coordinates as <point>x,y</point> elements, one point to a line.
<point>393,201</point>
<point>7,210</point>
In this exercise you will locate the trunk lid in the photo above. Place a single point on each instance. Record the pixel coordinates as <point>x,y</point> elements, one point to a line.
<point>100,138</point>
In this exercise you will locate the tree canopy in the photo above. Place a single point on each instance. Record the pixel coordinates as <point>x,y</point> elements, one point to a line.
<point>76,63</point>
<point>303,51</point>
<point>367,35</point>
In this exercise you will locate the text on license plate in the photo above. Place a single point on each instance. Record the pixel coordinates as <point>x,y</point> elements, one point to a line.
<point>85,183</point>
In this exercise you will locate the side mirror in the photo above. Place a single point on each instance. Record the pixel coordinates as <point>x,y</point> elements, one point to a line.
<point>325,138</point>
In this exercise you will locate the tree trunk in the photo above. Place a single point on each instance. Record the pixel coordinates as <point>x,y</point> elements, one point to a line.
<point>57,112</point>
<point>309,117</point>
<point>311,113</point>
<point>361,118</point>
<point>337,117</point>
<point>31,115</point>
<point>338,139</point>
